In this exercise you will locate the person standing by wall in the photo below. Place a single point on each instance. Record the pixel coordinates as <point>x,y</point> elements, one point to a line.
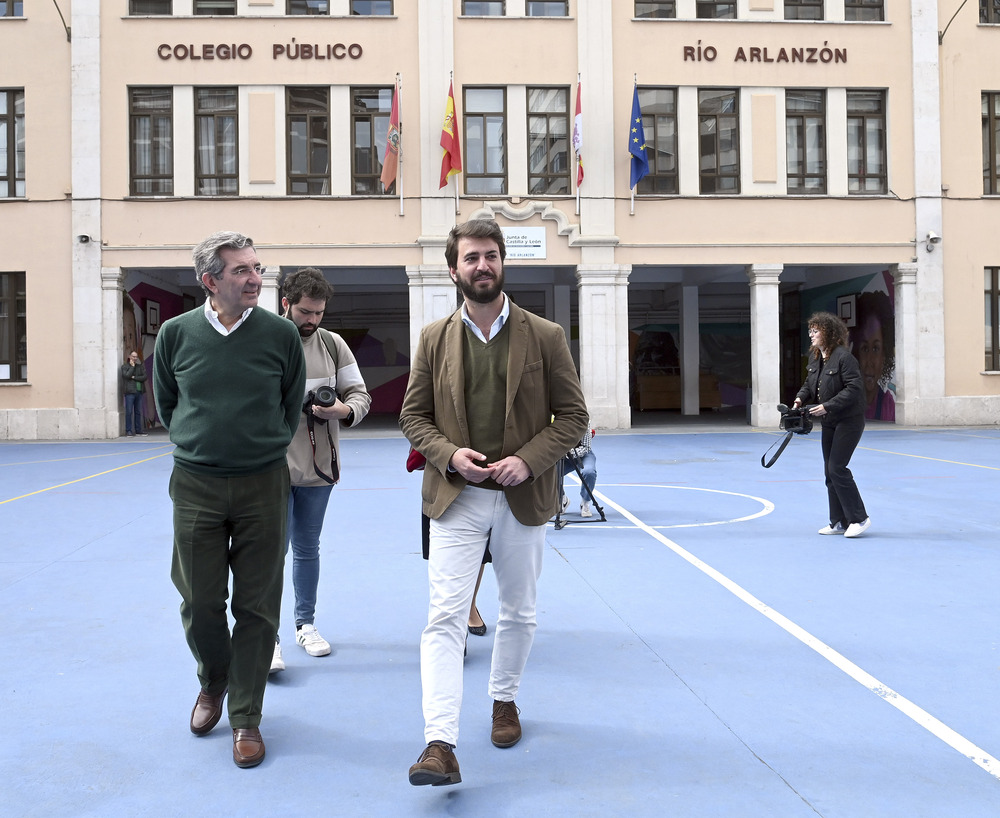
<point>134,379</point>
<point>229,380</point>
<point>314,453</point>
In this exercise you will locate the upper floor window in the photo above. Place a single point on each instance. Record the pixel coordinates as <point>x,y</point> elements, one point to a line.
<point>665,9</point>
<point>869,11</point>
<point>370,111</point>
<point>372,8</point>
<point>297,7</point>
<point>989,11</point>
<point>13,328</point>
<point>991,143</point>
<point>483,9</point>
<point>216,150</point>
<point>11,143</point>
<point>715,10</point>
<point>151,132</point>
<point>719,140</point>
<point>992,319</point>
<point>659,125</point>
<point>11,8</point>
<point>150,7</point>
<point>227,7</point>
<point>805,140</point>
<point>533,8</point>
<point>548,141</point>
<point>486,141</point>
<point>308,118</point>
<point>803,9</point>
<point>866,143</point>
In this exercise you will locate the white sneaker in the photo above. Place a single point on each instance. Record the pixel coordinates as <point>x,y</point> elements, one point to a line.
<point>832,529</point>
<point>856,529</point>
<point>565,502</point>
<point>585,509</point>
<point>309,638</point>
<point>277,663</point>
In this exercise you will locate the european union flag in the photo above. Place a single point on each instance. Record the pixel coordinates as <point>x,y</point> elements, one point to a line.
<point>637,141</point>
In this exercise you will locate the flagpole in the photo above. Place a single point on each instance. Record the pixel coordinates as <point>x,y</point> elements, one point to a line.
<point>399,107</point>
<point>578,158</point>
<point>631,190</point>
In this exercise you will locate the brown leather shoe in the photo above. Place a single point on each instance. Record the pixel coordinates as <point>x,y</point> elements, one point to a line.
<point>506,725</point>
<point>248,747</point>
<point>436,766</point>
<point>207,712</point>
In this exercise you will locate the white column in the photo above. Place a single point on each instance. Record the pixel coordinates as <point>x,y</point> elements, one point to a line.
<point>690,352</point>
<point>765,335</point>
<point>907,343</point>
<point>603,309</point>
<point>269,287</point>
<point>432,296</point>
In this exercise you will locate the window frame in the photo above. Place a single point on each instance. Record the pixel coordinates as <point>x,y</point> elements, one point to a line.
<point>213,8</point>
<point>864,11</point>
<point>529,10</point>
<point>134,12</point>
<point>13,326</point>
<point>311,118</point>
<point>991,142</point>
<point>805,10</point>
<point>804,118</point>
<point>654,10</point>
<point>303,9</point>
<point>989,12</point>
<point>390,13</point>
<point>12,123</point>
<point>379,128</point>
<point>468,119</point>
<point>715,10</point>
<point>704,117</point>
<point>165,178</point>
<point>484,13</point>
<point>12,8</point>
<point>654,122</point>
<point>555,182</point>
<point>223,179</point>
<point>992,313</point>
<point>862,176</point>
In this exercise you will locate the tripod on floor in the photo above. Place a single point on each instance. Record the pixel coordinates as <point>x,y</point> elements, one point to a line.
<point>560,521</point>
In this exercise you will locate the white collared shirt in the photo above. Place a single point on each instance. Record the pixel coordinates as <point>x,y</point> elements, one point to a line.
<point>496,326</point>
<point>213,319</point>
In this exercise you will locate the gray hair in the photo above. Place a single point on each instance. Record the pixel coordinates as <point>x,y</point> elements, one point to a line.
<point>207,258</point>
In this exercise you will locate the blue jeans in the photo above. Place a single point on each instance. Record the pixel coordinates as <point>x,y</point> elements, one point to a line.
<point>588,468</point>
<point>133,413</point>
<point>306,511</point>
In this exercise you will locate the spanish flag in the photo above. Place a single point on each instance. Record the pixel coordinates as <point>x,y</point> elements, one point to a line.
<point>391,162</point>
<point>451,160</point>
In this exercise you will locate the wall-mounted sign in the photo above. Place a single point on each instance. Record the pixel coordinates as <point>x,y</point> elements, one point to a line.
<point>524,242</point>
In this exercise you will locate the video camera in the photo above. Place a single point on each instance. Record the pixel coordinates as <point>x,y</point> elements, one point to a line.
<point>797,419</point>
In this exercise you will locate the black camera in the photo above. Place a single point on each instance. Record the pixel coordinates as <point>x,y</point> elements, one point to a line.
<point>797,419</point>
<point>320,396</point>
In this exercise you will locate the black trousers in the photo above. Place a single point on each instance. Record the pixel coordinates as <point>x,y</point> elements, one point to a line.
<point>839,442</point>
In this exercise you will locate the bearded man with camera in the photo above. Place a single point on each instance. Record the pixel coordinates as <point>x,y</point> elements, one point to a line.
<point>335,394</point>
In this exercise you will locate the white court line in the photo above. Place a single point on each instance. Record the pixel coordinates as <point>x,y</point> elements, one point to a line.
<point>920,716</point>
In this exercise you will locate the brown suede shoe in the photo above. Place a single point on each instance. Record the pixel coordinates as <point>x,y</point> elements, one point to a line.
<point>248,747</point>
<point>436,766</point>
<point>506,725</point>
<point>207,712</point>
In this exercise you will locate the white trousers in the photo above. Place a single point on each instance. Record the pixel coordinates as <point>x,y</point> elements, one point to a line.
<point>457,542</point>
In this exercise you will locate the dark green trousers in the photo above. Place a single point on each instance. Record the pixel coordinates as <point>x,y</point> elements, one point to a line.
<point>226,525</point>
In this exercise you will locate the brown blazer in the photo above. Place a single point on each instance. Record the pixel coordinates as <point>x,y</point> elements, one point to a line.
<point>542,384</point>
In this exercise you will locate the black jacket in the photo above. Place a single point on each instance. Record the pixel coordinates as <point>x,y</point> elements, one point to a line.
<point>841,389</point>
<point>133,377</point>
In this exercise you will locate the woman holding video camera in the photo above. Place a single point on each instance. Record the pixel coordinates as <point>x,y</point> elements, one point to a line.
<point>834,393</point>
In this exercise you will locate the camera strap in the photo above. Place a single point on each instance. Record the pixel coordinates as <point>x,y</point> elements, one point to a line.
<point>334,467</point>
<point>783,442</point>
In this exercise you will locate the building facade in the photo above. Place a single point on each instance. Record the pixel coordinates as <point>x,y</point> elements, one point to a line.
<point>789,156</point>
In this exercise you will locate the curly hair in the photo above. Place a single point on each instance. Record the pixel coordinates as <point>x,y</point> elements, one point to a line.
<point>833,328</point>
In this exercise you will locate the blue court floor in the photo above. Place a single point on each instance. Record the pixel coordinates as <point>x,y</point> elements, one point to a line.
<point>701,653</point>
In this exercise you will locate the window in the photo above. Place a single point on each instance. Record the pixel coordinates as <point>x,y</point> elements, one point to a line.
<point>712,10</point>
<point>991,143</point>
<point>216,151</point>
<point>296,7</point>
<point>372,8</point>
<point>989,11</point>
<point>719,140</point>
<point>548,141</point>
<point>540,9</point>
<point>13,333</point>
<point>488,9</point>
<point>864,10</point>
<point>151,136</point>
<point>370,110</point>
<point>485,140</point>
<point>805,140</point>
<point>866,142</point>
<point>659,124</point>
<point>215,7</point>
<point>803,9</point>
<point>308,115</point>
<point>645,11</point>
<point>992,320</point>
<point>11,8</point>
<point>150,7</point>
<point>11,143</point>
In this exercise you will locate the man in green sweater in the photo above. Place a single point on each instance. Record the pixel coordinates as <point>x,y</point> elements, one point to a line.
<point>228,383</point>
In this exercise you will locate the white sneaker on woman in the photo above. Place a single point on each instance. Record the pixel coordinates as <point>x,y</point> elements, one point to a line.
<point>856,529</point>
<point>832,529</point>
